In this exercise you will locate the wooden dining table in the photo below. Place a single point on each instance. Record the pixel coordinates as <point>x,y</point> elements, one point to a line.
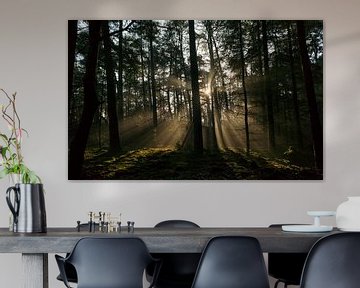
<point>35,247</point>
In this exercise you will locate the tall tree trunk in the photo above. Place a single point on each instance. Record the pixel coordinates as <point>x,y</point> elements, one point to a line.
<point>198,140</point>
<point>269,97</point>
<point>316,130</point>
<point>100,110</point>
<point>214,106</point>
<point>294,90</point>
<point>259,50</point>
<point>168,87</point>
<point>186,74</point>
<point>177,104</point>
<point>120,72</point>
<point>152,68</point>
<point>111,90</point>
<point>168,102</point>
<point>72,32</point>
<point>78,145</point>
<point>224,93</point>
<point>148,76</point>
<point>246,111</point>
<point>143,85</point>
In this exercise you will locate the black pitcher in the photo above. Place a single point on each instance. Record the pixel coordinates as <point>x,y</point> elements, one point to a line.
<point>28,208</point>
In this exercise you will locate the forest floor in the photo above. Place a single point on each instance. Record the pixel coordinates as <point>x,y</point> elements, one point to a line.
<point>172,164</point>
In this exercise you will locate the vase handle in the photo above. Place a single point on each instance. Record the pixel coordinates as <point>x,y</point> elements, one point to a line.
<point>14,208</point>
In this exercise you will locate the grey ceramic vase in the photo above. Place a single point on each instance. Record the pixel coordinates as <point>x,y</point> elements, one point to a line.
<point>27,204</point>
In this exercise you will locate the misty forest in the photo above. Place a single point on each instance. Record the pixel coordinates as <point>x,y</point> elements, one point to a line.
<point>195,99</point>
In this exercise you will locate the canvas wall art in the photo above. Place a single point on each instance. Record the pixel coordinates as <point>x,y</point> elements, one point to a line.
<point>195,100</point>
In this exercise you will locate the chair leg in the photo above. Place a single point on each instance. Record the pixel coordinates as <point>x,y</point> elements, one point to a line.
<point>278,282</point>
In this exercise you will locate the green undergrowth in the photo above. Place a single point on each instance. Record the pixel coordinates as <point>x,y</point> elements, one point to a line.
<point>172,164</point>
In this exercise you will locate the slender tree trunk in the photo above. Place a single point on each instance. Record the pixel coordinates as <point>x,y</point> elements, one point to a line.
<point>177,104</point>
<point>198,140</point>
<point>212,71</point>
<point>294,90</point>
<point>186,74</point>
<point>316,130</point>
<point>120,72</point>
<point>221,71</point>
<point>152,68</point>
<point>168,87</point>
<point>78,145</point>
<point>168,101</point>
<point>72,32</point>
<point>259,46</point>
<point>145,106</point>
<point>100,110</point>
<point>214,106</point>
<point>269,97</point>
<point>246,111</point>
<point>275,77</point>
<point>149,82</point>
<point>111,91</point>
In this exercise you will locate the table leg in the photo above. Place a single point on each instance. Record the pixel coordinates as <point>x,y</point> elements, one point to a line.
<point>35,270</point>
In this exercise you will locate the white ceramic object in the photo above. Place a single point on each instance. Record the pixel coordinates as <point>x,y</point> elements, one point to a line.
<point>348,214</point>
<point>318,214</point>
<point>316,227</point>
<point>306,228</point>
<point>321,213</point>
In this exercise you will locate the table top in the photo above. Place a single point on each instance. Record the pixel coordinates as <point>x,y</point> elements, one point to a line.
<point>158,240</point>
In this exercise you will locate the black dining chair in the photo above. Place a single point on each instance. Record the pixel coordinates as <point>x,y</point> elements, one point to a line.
<point>70,271</point>
<point>285,267</point>
<point>333,262</point>
<point>232,262</point>
<point>108,263</point>
<point>178,269</point>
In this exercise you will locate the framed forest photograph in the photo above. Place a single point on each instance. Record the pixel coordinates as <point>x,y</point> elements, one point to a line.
<point>195,100</point>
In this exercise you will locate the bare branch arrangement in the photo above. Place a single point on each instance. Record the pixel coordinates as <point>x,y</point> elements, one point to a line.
<point>12,160</point>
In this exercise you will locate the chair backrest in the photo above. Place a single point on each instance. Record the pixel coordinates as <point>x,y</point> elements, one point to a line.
<point>333,262</point>
<point>232,262</point>
<point>110,262</point>
<point>178,269</point>
<point>286,267</point>
<point>176,224</point>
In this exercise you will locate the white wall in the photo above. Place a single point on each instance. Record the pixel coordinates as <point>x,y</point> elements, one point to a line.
<point>33,62</point>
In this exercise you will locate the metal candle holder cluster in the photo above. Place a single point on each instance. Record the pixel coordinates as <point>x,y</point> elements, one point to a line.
<point>104,222</point>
